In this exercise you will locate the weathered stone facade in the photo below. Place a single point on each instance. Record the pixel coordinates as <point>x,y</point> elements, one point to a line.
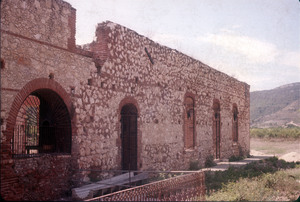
<point>173,94</point>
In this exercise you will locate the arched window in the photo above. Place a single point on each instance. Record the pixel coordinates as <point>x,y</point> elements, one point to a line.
<point>235,124</point>
<point>189,123</point>
<point>43,125</point>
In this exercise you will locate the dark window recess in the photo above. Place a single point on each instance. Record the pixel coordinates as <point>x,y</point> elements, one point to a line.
<point>235,125</point>
<point>98,65</point>
<point>72,88</point>
<point>2,64</point>
<point>51,76</point>
<point>98,69</point>
<point>149,56</point>
<point>90,81</point>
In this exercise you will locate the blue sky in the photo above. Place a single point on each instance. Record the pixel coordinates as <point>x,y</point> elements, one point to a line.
<point>255,41</point>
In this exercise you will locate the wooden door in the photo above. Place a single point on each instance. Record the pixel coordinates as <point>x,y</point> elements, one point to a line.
<point>129,137</point>
<point>218,135</point>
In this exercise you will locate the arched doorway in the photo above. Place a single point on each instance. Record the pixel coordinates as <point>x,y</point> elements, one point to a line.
<point>43,125</point>
<point>217,129</point>
<point>129,137</point>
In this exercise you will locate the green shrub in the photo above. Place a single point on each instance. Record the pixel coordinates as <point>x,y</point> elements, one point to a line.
<point>236,158</point>
<point>194,165</point>
<point>215,180</point>
<point>209,162</point>
<point>280,132</point>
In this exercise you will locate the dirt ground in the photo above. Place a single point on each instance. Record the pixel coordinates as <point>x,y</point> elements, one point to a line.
<point>288,150</point>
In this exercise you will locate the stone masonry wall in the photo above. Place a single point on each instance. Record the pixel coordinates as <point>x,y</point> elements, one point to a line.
<point>56,20</point>
<point>158,90</point>
<point>36,41</point>
<point>121,67</point>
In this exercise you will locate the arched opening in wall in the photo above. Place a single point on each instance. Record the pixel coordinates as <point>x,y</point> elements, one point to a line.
<point>129,137</point>
<point>43,125</point>
<point>217,129</point>
<point>189,123</point>
<point>235,125</point>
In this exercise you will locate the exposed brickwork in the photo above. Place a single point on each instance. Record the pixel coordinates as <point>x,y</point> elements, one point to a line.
<point>44,178</point>
<point>121,67</point>
<point>34,176</point>
<point>72,27</point>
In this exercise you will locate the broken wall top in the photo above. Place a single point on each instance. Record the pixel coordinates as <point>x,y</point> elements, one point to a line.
<point>117,47</point>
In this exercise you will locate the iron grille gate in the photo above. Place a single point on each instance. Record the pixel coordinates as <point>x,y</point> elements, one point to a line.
<point>30,140</point>
<point>42,125</point>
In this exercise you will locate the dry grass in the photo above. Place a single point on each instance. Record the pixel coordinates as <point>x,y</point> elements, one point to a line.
<point>278,186</point>
<point>274,146</point>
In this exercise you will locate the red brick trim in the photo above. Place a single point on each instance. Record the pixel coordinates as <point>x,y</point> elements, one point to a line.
<point>193,96</point>
<point>128,100</point>
<point>100,47</point>
<point>10,89</point>
<point>71,44</point>
<point>72,25</point>
<point>234,105</point>
<point>216,105</point>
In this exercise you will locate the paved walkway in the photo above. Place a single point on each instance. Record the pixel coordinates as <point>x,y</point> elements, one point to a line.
<point>225,164</point>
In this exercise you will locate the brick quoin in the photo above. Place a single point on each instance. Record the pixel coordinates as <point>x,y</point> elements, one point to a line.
<point>11,186</point>
<point>100,48</point>
<point>72,25</point>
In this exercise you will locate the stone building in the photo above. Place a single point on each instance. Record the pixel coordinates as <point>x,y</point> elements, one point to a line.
<point>123,102</point>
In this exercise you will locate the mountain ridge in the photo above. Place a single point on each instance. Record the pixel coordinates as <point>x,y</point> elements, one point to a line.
<point>278,107</point>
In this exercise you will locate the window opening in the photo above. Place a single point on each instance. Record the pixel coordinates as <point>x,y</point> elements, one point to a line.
<point>235,124</point>
<point>2,64</point>
<point>189,123</point>
<point>42,125</point>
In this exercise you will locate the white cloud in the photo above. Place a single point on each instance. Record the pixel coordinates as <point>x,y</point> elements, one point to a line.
<point>290,58</point>
<point>254,50</point>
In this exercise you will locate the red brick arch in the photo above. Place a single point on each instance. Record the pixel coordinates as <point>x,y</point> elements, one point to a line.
<point>128,100</point>
<point>12,188</point>
<point>36,84</point>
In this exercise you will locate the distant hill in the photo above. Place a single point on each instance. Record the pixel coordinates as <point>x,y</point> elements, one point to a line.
<point>277,107</point>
